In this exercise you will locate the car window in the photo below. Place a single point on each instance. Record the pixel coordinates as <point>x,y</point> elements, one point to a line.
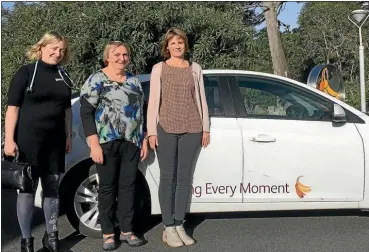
<point>211,83</point>
<point>268,98</point>
<point>146,89</point>
<point>215,105</point>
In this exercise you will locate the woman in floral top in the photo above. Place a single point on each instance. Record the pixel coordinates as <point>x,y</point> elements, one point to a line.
<point>113,120</point>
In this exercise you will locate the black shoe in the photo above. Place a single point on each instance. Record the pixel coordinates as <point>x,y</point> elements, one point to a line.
<point>27,245</point>
<point>50,242</point>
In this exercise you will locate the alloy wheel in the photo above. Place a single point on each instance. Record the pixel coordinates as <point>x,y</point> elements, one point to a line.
<point>86,203</point>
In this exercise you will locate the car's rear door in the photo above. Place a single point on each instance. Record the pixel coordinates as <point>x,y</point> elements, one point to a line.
<point>218,170</point>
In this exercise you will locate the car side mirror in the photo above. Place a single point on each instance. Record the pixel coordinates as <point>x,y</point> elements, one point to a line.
<point>339,115</point>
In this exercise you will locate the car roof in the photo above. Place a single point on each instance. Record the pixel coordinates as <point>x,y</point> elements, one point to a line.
<point>146,77</point>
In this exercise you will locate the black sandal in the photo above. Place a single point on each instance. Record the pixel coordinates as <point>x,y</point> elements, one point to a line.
<point>136,242</point>
<point>109,246</point>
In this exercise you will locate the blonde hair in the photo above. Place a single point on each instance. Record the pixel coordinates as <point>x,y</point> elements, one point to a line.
<point>34,52</point>
<point>114,45</point>
<point>171,33</point>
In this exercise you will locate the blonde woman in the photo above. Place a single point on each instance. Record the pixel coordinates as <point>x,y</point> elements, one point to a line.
<point>38,126</point>
<point>177,124</point>
<point>112,102</point>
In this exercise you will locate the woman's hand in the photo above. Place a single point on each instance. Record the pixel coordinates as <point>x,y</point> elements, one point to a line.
<point>10,148</point>
<point>68,145</point>
<point>97,154</point>
<point>153,141</point>
<point>205,139</point>
<point>144,150</point>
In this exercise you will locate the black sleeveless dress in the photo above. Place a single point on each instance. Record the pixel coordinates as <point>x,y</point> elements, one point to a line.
<point>40,132</point>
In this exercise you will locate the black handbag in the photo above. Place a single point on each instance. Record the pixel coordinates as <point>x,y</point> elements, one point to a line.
<point>15,174</point>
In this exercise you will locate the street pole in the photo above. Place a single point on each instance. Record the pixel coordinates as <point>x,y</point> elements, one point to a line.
<point>362,18</point>
<point>362,73</point>
<point>362,78</point>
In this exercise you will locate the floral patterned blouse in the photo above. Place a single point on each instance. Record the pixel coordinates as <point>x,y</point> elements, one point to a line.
<point>113,110</point>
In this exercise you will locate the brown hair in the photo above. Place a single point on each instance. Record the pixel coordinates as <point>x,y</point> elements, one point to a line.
<point>34,52</point>
<point>171,33</point>
<point>114,45</point>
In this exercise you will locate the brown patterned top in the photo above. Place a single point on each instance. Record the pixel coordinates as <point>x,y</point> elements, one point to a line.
<point>178,111</point>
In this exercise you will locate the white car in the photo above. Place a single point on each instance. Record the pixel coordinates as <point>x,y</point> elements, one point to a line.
<point>276,144</point>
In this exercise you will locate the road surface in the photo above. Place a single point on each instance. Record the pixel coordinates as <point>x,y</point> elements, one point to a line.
<point>297,231</point>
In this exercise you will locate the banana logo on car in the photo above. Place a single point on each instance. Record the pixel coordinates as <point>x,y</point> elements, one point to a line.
<point>325,87</point>
<point>301,189</point>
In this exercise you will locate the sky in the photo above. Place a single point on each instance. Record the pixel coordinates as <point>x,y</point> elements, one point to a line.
<point>288,16</point>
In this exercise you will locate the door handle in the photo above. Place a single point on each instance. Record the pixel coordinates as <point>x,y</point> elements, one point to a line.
<point>263,138</point>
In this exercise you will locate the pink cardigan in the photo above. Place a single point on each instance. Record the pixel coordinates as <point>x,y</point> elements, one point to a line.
<point>154,99</point>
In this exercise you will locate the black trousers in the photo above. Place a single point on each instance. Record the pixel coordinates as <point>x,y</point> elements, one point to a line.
<point>117,177</point>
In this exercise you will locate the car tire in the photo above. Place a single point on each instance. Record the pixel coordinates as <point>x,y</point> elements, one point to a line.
<point>86,177</point>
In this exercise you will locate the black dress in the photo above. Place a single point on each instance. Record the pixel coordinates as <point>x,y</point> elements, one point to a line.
<point>40,132</point>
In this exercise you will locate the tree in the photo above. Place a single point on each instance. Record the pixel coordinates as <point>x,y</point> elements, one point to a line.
<point>260,51</point>
<point>298,64</point>
<point>270,11</point>
<point>217,33</point>
<point>221,35</point>
<point>275,44</point>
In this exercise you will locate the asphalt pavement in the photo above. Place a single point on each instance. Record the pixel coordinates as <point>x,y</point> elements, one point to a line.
<point>291,231</point>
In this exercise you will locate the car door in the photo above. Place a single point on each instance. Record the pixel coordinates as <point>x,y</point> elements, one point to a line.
<point>219,166</point>
<point>292,149</point>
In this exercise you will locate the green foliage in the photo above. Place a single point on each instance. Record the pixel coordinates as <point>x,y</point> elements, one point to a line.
<point>325,35</point>
<point>259,49</point>
<point>221,36</point>
<point>217,34</point>
<point>352,90</point>
<point>329,37</point>
<point>293,46</point>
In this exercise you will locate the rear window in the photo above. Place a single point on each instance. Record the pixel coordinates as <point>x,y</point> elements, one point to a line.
<point>146,89</point>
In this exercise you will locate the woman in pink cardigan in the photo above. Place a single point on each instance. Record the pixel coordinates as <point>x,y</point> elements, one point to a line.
<point>177,125</point>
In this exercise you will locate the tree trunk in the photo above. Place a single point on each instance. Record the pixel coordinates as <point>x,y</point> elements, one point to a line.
<point>275,43</point>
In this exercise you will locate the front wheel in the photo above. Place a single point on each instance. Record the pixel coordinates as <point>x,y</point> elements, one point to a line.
<point>83,212</point>
<point>85,206</point>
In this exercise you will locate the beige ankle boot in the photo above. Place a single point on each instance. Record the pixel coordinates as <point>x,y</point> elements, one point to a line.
<point>184,237</point>
<point>171,237</point>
